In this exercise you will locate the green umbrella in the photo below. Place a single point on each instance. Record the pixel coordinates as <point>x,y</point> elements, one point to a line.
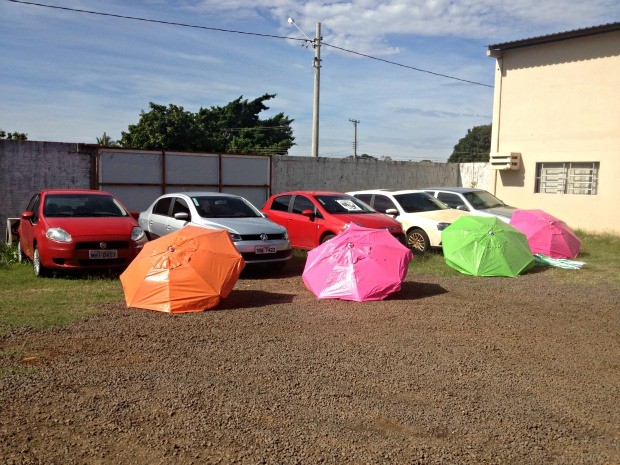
<point>486,246</point>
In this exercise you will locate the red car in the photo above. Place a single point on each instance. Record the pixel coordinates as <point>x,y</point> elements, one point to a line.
<point>78,229</point>
<point>313,217</point>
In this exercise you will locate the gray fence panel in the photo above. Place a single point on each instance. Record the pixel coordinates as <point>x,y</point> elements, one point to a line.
<point>130,167</point>
<point>245,170</point>
<point>136,198</point>
<point>184,168</point>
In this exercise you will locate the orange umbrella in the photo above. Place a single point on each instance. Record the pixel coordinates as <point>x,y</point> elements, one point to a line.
<point>189,270</point>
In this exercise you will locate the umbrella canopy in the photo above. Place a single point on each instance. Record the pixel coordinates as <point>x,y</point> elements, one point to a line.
<point>546,234</point>
<point>189,270</point>
<point>359,264</point>
<point>486,246</point>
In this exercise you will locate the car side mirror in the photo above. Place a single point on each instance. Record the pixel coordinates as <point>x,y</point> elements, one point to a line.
<point>27,215</point>
<point>181,216</point>
<point>391,212</point>
<point>264,215</point>
<point>135,215</point>
<point>462,208</point>
<point>309,214</point>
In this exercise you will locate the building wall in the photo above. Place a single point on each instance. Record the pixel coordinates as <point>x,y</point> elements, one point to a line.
<point>560,102</point>
<point>29,166</point>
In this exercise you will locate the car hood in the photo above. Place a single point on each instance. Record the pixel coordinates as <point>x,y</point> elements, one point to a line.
<point>242,225</point>
<point>369,220</point>
<point>94,226</point>
<point>504,211</point>
<point>441,216</point>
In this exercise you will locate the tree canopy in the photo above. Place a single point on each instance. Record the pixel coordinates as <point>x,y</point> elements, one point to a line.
<point>12,135</point>
<point>233,128</point>
<point>475,146</point>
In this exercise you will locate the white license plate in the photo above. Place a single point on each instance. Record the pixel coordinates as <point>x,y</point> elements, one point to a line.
<point>262,249</point>
<point>102,254</point>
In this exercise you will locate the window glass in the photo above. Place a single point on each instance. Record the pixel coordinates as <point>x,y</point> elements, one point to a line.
<point>483,199</point>
<point>214,206</point>
<point>383,203</point>
<point>162,206</point>
<point>35,209</point>
<point>415,202</point>
<point>338,204</point>
<point>451,200</point>
<point>580,178</point>
<point>180,206</point>
<point>281,203</point>
<point>364,198</point>
<point>302,203</point>
<point>82,205</point>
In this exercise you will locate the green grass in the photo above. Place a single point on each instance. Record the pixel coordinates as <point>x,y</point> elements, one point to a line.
<point>26,300</point>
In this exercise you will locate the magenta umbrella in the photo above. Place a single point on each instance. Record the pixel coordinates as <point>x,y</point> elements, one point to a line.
<point>359,264</point>
<point>546,234</point>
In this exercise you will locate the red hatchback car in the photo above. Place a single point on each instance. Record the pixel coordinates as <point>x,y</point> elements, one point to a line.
<point>78,229</point>
<point>313,217</point>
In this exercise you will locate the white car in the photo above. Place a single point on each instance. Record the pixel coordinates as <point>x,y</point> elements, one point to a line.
<point>476,201</point>
<point>423,217</point>
<point>257,239</point>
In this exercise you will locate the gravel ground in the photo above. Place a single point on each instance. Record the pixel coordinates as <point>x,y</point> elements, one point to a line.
<point>448,370</point>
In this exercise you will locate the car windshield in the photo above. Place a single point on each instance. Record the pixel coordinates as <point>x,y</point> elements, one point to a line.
<point>483,199</point>
<point>224,207</point>
<point>338,204</point>
<point>82,205</point>
<point>416,202</point>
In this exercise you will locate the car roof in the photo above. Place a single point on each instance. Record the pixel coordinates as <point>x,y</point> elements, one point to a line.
<point>389,191</point>
<point>199,194</point>
<point>73,191</point>
<point>310,193</point>
<point>453,189</point>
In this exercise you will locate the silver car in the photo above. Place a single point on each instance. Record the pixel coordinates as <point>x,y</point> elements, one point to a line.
<point>257,239</point>
<point>476,201</point>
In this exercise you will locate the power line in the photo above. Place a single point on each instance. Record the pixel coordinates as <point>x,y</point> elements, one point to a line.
<point>405,66</point>
<point>272,36</point>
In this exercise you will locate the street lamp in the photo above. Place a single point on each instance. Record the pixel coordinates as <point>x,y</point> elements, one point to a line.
<point>316,44</point>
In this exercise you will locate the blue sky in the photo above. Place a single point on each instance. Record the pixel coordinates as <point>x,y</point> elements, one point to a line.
<point>68,77</point>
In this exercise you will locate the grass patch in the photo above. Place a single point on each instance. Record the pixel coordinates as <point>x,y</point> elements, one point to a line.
<point>26,300</point>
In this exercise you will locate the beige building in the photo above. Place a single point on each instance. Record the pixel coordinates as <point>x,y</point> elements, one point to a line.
<point>555,143</point>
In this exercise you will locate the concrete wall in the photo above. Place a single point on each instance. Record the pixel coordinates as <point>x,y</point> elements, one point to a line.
<point>559,102</point>
<point>28,166</point>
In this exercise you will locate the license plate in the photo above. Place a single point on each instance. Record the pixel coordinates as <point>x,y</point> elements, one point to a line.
<point>262,249</point>
<point>102,254</point>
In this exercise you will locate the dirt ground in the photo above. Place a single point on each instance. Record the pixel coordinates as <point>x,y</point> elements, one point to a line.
<point>453,370</point>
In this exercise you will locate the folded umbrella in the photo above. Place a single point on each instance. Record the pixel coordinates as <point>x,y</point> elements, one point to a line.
<point>189,270</point>
<point>359,264</point>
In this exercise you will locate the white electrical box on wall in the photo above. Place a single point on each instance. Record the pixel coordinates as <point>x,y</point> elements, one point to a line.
<point>505,161</point>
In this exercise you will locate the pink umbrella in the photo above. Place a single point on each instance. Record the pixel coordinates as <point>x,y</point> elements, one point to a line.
<point>546,234</point>
<point>359,264</point>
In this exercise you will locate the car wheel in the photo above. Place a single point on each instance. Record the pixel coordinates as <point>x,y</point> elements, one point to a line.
<point>417,241</point>
<point>327,237</point>
<point>21,257</point>
<point>37,267</point>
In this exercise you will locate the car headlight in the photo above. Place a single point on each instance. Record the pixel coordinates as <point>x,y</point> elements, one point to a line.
<point>58,235</point>
<point>442,226</point>
<point>235,237</point>
<point>136,234</point>
<point>394,229</point>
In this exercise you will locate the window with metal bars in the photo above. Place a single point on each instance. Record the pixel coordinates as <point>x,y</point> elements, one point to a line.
<point>580,178</point>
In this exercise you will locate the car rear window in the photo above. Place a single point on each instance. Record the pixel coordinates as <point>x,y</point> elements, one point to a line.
<point>338,204</point>
<point>416,202</point>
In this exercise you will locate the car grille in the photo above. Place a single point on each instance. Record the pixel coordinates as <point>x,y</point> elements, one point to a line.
<point>251,256</point>
<point>95,245</point>
<point>256,237</point>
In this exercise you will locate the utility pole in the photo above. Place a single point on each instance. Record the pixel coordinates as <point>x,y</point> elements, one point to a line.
<point>317,85</point>
<point>316,64</point>
<point>355,123</point>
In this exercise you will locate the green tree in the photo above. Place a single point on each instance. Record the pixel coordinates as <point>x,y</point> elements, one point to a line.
<point>13,135</point>
<point>475,146</point>
<point>233,128</point>
<point>106,141</point>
